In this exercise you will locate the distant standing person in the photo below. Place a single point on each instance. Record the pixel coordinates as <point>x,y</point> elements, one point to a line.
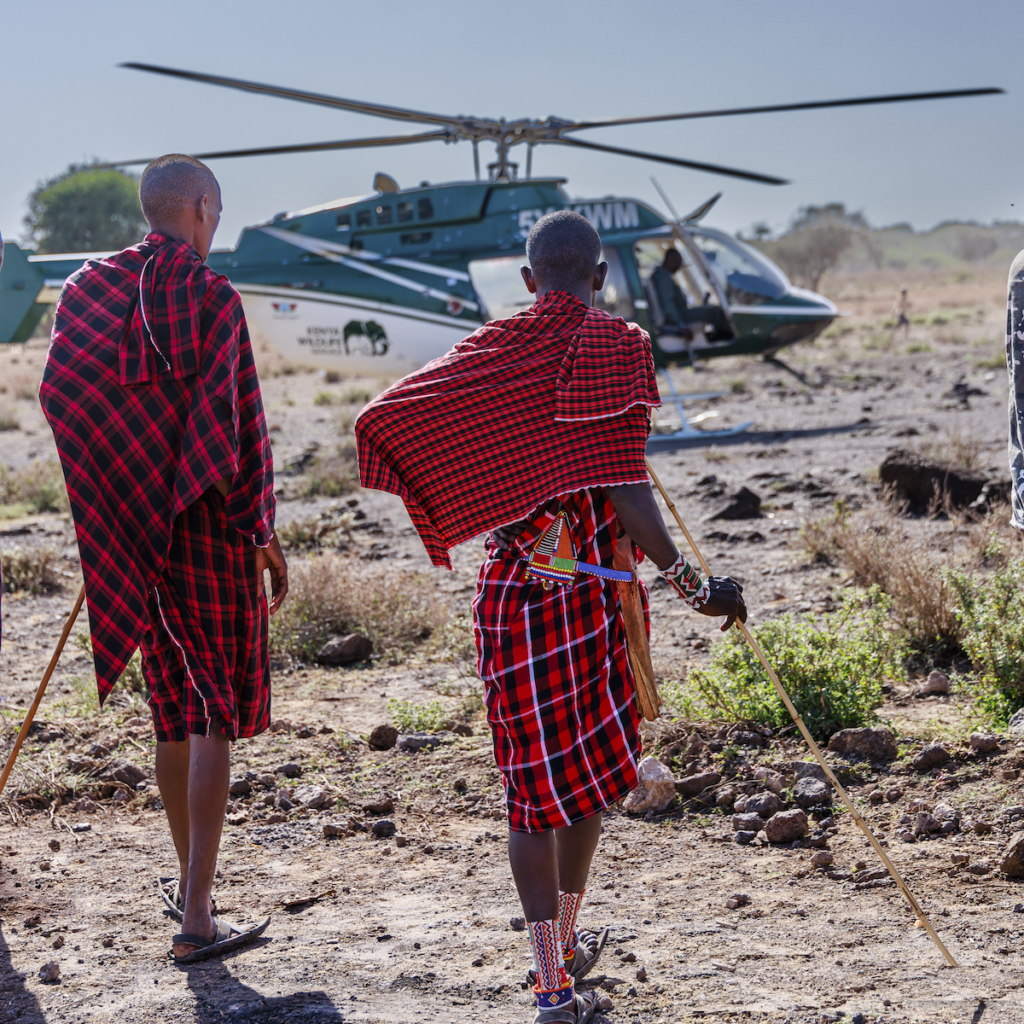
<point>900,309</point>
<point>1015,366</point>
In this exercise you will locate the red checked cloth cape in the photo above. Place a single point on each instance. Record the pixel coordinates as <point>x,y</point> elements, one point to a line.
<point>552,400</point>
<point>151,392</point>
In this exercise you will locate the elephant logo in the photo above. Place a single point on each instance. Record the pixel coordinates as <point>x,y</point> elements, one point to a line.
<point>372,331</point>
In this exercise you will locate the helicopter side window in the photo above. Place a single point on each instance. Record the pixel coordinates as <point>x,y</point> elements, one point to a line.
<point>404,213</point>
<point>749,279</point>
<point>344,221</point>
<point>363,218</point>
<point>499,286</point>
<point>384,214</point>
<point>426,209</point>
<point>615,297</point>
<point>650,254</point>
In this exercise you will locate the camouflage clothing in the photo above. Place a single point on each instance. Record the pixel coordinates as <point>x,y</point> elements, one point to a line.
<point>1015,365</point>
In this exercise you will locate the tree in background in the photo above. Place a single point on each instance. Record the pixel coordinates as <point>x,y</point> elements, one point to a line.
<point>85,209</point>
<point>815,240</point>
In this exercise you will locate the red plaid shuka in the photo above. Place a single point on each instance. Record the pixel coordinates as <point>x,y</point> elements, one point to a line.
<point>550,401</point>
<point>559,687</point>
<point>151,392</point>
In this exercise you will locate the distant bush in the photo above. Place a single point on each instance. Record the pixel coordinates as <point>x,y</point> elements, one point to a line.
<point>39,485</point>
<point>991,611</point>
<point>33,569</point>
<point>832,670</point>
<point>410,717</point>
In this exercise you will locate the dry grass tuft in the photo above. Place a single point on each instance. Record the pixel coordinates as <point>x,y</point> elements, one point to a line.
<point>33,569</point>
<point>39,485</point>
<point>333,594</point>
<point>330,476</point>
<point>9,419</point>
<point>955,446</point>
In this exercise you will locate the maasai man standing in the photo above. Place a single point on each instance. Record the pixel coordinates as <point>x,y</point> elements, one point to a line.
<point>151,392</point>
<point>1015,366</point>
<point>541,421</point>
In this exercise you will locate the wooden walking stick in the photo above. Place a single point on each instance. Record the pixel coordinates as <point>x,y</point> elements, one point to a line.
<point>756,647</point>
<point>12,757</point>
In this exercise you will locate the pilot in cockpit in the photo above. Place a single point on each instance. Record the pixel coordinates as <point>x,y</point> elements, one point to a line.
<point>679,316</point>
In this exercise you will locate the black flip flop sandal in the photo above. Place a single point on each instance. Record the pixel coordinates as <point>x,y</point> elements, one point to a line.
<point>589,946</point>
<point>227,938</point>
<point>170,893</point>
<point>585,1008</point>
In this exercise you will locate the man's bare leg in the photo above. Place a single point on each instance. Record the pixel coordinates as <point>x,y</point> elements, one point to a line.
<point>197,785</point>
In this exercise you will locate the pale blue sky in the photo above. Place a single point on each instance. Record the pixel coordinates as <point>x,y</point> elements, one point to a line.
<point>65,99</point>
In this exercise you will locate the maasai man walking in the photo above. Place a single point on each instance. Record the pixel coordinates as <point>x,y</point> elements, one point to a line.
<point>540,421</point>
<point>151,392</point>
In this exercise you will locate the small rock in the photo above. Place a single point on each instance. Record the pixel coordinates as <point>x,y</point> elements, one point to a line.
<point>641,974</point>
<point>770,780</point>
<point>1012,861</point>
<point>926,823</point>
<point>237,819</point>
<point>984,742</point>
<point>694,784</point>
<point>401,841</point>
<point>786,826</point>
<point>876,796</point>
<point>107,942</point>
<point>747,822</point>
<point>809,770</point>
<point>58,942</point>
<point>739,805</point>
<point>124,771</point>
<point>345,650</point>
<point>811,792</point>
<point>764,804</point>
<point>333,828</point>
<point>937,682</point>
<point>631,991</point>
<point>629,958</point>
<point>266,779</point>
<point>517,924</point>
<point>380,805</point>
<point>289,770</point>
<point>50,972</point>
<point>960,860</point>
<point>55,845</point>
<point>314,797</point>
<point>734,902</point>
<point>744,837</point>
<point>930,757</point>
<point>894,794</point>
<point>305,732</point>
<point>80,765</point>
<point>383,829</point>
<point>1016,723</point>
<point>746,738</point>
<point>604,1004</point>
<point>980,867</point>
<point>478,962</point>
<point>822,859</point>
<point>240,786</point>
<point>657,788</point>
<point>907,837</point>
<point>878,743</point>
<point>724,798</point>
<point>383,737</point>
<point>276,818</point>
<point>742,504</point>
<point>980,827</point>
<point>414,742</point>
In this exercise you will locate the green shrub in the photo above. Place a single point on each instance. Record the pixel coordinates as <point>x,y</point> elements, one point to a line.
<point>36,570</point>
<point>832,670</point>
<point>410,717</point>
<point>40,485</point>
<point>991,611</point>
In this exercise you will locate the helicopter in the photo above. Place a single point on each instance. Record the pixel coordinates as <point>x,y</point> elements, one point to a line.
<point>381,283</point>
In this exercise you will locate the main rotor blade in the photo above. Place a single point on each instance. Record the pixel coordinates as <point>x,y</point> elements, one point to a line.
<point>732,172</point>
<point>309,147</point>
<point>858,102</point>
<point>375,109</point>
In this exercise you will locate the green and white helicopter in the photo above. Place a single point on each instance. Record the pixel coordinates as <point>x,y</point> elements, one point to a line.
<point>383,282</point>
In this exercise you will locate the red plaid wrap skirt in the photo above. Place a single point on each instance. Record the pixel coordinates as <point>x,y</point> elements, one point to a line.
<point>559,687</point>
<point>204,655</point>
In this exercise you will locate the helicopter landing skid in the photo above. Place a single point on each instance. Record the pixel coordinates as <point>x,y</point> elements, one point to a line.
<point>687,424</point>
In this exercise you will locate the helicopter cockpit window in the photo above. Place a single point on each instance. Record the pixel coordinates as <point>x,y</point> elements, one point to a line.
<point>384,214</point>
<point>363,218</point>
<point>404,213</point>
<point>615,297</point>
<point>748,277</point>
<point>426,209</point>
<point>344,221</point>
<point>650,254</point>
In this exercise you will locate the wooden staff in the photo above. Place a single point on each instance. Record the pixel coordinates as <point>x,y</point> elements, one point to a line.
<point>12,757</point>
<point>756,647</point>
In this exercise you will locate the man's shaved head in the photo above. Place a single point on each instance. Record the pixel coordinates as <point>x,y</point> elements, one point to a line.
<point>174,184</point>
<point>563,250</point>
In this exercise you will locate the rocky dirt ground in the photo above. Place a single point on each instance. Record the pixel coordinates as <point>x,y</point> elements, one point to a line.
<point>414,921</point>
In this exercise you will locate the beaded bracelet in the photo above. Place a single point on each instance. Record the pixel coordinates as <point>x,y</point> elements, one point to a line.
<point>688,582</point>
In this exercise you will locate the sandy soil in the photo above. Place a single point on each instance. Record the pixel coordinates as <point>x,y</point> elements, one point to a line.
<point>417,928</point>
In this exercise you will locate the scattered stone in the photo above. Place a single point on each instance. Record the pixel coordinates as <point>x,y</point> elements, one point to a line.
<point>894,794</point>
<point>786,826</point>
<point>383,829</point>
<point>629,958</point>
<point>810,792</point>
<point>277,818</point>
<point>930,757</point>
<point>124,771</point>
<point>739,805</point>
<point>657,788</point>
<point>876,796</point>
<point>764,804</point>
<point>345,650</point>
<point>54,845</point>
<point>240,786</point>
<point>641,974</point>
<point>1012,862</point>
<point>289,770</point>
<point>83,765</point>
<point>383,804</point>
<point>747,822</point>
<point>306,732</point>
<point>81,826</point>
<point>877,743</point>
<point>936,683</point>
<point>907,837</point>
<point>984,742</point>
<point>383,737</point>
<point>604,1004</point>
<point>517,924</point>
<point>237,819</point>
<point>334,828</point>
<point>694,784</point>
<point>50,972</point>
<point>401,841</point>
<point>980,867</point>
<point>1016,723</point>
<point>723,798</point>
<point>746,738</point>
<point>478,962</point>
<point>414,742</point>
<point>107,942</point>
<point>918,481</point>
<point>960,860</point>
<point>809,770</point>
<point>770,780</point>
<point>734,902</point>
<point>314,797</point>
<point>744,837</point>
<point>822,859</point>
<point>980,827</point>
<point>266,779</point>
<point>742,504</point>
<point>925,824</point>
<point>58,942</point>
